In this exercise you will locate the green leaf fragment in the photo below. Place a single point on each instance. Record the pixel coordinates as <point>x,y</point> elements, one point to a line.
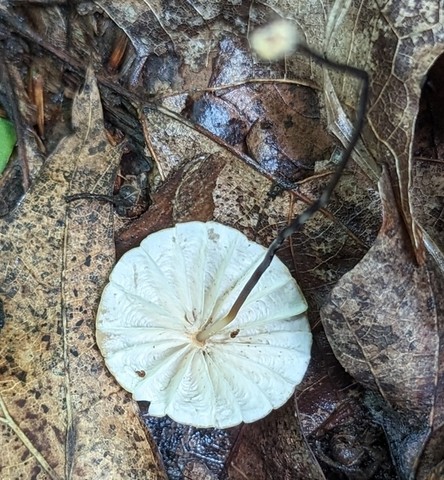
<point>7,142</point>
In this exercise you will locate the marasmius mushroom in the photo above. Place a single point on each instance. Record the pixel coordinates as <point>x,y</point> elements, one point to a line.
<point>161,327</point>
<point>206,325</point>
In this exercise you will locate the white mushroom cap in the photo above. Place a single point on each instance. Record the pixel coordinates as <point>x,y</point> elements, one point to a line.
<point>173,287</point>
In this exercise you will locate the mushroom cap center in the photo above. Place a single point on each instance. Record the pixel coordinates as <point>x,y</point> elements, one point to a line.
<point>197,341</point>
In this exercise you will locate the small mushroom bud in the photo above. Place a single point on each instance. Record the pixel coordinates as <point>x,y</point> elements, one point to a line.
<point>275,40</point>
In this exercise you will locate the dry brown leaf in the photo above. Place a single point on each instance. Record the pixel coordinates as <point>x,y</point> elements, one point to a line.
<point>384,321</point>
<point>62,415</point>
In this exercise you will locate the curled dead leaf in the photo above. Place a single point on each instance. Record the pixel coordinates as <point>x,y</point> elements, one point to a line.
<point>385,322</point>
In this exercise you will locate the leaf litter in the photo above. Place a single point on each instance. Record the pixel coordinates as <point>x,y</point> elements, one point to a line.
<point>325,251</point>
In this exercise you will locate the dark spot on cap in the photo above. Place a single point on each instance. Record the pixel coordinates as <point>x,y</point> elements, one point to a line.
<point>234,333</point>
<point>21,403</point>
<point>45,408</point>
<point>140,373</point>
<point>88,261</point>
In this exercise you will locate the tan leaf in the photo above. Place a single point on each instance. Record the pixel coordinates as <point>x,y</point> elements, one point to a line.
<point>62,415</point>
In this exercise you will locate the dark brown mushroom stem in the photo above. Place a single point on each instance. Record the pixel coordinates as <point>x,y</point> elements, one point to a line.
<point>321,202</point>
